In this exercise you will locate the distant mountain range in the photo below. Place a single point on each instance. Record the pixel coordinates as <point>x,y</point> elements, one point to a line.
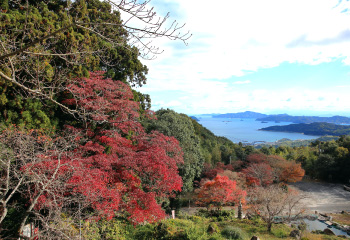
<point>316,129</point>
<point>305,119</point>
<point>194,118</point>
<point>284,118</point>
<point>247,114</point>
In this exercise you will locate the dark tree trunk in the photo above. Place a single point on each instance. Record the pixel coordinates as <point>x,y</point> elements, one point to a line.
<point>269,226</point>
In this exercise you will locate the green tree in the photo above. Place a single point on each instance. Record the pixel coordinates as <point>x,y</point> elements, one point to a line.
<point>44,45</point>
<point>180,126</point>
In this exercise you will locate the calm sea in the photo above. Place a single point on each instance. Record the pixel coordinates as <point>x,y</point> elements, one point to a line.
<point>246,130</point>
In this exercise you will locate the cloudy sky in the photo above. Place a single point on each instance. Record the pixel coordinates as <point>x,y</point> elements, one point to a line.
<point>269,56</point>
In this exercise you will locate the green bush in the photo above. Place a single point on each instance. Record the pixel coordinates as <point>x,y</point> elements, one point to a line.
<point>280,230</point>
<point>143,232</point>
<point>220,214</point>
<point>231,232</point>
<point>216,236</point>
<point>196,232</point>
<point>221,218</point>
<point>104,229</point>
<point>213,227</point>
<point>172,229</point>
<point>280,233</point>
<point>202,213</point>
<point>196,219</point>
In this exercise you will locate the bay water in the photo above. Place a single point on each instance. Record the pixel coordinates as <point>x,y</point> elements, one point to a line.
<point>246,130</point>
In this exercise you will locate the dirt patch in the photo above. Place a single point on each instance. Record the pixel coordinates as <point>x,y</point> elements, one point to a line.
<point>342,218</point>
<point>324,197</point>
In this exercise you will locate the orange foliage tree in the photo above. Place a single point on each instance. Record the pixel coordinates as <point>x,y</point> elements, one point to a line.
<point>265,169</point>
<point>219,192</point>
<point>259,174</point>
<point>292,172</point>
<point>284,170</point>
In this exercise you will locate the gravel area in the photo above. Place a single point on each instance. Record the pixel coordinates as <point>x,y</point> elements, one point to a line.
<point>324,197</point>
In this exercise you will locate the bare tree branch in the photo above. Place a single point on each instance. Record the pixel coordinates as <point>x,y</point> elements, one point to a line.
<point>38,93</point>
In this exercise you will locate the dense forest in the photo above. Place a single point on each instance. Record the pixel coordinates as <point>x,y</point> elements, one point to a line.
<point>83,157</point>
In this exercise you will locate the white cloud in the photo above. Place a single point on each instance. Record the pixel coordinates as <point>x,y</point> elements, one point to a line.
<point>242,82</point>
<point>173,104</point>
<point>232,37</point>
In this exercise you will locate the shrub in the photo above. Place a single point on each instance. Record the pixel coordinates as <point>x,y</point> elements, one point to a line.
<point>196,219</point>
<point>216,236</point>
<point>280,230</point>
<point>195,232</point>
<point>172,229</point>
<point>144,232</point>
<point>220,214</point>
<point>231,232</point>
<point>280,233</point>
<point>213,228</point>
<point>104,229</point>
<point>203,213</point>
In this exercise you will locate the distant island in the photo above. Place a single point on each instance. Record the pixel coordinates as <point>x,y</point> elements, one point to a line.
<point>304,119</point>
<point>283,118</point>
<point>194,118</point>
<point>247,114</point>
<point>316,129</point>
<point>295,143</point>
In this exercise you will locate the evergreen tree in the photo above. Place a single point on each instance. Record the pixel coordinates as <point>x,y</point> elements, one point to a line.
<point>180,126</point>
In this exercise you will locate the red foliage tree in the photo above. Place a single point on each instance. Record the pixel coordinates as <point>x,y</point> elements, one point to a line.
<point>219,192</point>
<point>210,172</point>
<point>260,174</point>
<point>118,168</point>
<point>264,169</point>
<point>257,158</point>
<point>121,168</point>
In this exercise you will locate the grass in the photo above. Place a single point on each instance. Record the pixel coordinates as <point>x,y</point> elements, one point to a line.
<point>279,231</point>
<point>195,228</point>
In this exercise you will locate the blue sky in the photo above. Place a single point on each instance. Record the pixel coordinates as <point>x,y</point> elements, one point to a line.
<point>269,56</point>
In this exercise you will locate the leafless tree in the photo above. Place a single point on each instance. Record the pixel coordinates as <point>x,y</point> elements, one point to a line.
<point>33,173</point>
<point>273,201</point>
<point>143,25</point>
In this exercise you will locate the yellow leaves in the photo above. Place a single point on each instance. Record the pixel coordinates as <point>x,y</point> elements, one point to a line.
<point>341,152</point>
<point>3,99</point>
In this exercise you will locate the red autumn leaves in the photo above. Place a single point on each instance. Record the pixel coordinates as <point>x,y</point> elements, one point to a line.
<point>115,167</point>
<point>258,170</point>
<point>262,170</point>
<point>219,192</point>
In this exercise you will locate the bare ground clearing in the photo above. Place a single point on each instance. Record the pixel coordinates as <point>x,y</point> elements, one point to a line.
<point>324,197</point>
<point>319,196</point>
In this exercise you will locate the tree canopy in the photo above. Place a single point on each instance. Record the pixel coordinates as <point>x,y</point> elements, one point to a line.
<point>44,44</point>
<point>180,126</point>
<point>66,71</point>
